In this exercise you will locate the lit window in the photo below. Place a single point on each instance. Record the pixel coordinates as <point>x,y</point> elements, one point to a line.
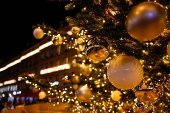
<point>58,49</point>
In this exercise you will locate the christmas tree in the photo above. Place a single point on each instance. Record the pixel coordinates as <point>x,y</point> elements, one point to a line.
<point>123,53</point>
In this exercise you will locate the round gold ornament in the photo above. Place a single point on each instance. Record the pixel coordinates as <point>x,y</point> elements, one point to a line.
<point>116,95</point>
<point>42,95</point>
<point>83,93</point>
<point>146,21</point>
<point>85,70</point>
<point>76,79</point>
<point>75,29</point>
<point>168,49</point>
<point>96,49</point>
<point>149,95</point>
<point>75,86</point>
<point>57,39</point>
<point>125,72</point>
<point>38,33</point>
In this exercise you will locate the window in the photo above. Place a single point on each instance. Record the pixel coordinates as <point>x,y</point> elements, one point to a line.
<point>48,54</point>
<point>42,56</point>
<point>57,62</point>
<point>66,60</point>
<point>59,49</point>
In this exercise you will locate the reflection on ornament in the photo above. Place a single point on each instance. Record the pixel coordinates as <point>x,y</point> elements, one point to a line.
<point>65,79</point>
<point>75,29</point>
<point>42,95</point>
<point>75,86</point>
<point>168,49</point>
<point>38,33</point>
<point>97,53</point>
<point>142,108</point>
<point>116,95</point>
<point>57,39</point>
<point>146,21</point>
<point>83,93</point>
<point>149,95</point>
<point>76,79</point>
<point>85,70</point>
<point>97,49</point>
<point>80,41</point>
<point>125,72</point>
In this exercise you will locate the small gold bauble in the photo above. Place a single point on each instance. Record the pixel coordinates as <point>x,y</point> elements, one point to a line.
<point>75,29</point>
<point>83,93</point>
<point>75,86</point>
<point>38,33</point>
<point>76,79</point>
<point>42,95</point>
<point>85,70</point>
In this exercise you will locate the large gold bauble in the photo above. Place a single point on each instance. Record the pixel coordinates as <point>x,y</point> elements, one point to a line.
<point>38,33</point>
<point>125,72</point>
<point>146,21</point>
<point>168,49</point>
<point>83,93</point>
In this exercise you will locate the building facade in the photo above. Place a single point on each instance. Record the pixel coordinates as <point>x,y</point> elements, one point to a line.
<point>44,60</point>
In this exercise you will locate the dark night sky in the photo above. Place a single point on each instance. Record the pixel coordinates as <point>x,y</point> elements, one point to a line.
<point>18,17</point>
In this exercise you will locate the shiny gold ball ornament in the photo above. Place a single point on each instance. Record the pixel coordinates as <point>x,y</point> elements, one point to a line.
<point>83,93</point>
<point>146,21</point>
<point>85,70</point>
<point>97,49</point>
<point>149,95</point>
<point>75,86</point>
<point>75,29</point>
<point>42,95</point>
<point>168,49</point>
<point>125,72</point>
<point>57,39</point>
<point>116,95</point>
<point>38,33</point>
<point>76,79</point>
